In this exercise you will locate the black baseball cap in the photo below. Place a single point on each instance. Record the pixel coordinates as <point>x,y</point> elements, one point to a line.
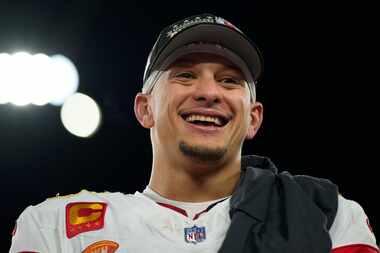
<point>205,28</point>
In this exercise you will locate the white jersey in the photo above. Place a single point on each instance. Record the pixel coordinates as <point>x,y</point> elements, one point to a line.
<point>114,222</point>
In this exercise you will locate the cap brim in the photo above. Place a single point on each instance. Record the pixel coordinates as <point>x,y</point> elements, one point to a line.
<point>218,34</point>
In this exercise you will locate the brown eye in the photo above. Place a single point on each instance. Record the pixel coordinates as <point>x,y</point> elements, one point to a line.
<point>231,80</point>
<point>185,75</point>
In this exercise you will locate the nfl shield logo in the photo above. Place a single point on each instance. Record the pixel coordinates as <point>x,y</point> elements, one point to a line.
<point>195,234</point>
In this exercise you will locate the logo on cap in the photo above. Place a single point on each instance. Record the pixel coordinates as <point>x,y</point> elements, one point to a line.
<point>176,28</point>
<point>195,234</point>
<point>102,247</point>
<point>84,216</point>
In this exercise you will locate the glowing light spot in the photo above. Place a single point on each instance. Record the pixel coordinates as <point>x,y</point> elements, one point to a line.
<point>80,115</point>
<point>66,79</point>
<point>37,79</point>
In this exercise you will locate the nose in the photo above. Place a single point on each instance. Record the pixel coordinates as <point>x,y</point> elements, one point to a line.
<point>207,90</point>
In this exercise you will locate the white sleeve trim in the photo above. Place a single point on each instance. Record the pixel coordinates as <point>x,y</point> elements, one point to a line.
<point>350,225</point>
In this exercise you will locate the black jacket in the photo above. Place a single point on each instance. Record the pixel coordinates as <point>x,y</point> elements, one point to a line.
<point>276,212</point>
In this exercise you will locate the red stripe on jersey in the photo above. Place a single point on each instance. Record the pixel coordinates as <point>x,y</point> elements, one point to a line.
<point>355,248</point>
<point>177,209</point>
<point>183,212</point>
<point>198,214</point>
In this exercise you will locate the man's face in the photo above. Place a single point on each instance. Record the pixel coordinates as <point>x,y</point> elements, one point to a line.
<point>201,109</point>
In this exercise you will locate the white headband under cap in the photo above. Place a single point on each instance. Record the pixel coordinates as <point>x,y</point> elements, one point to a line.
<point>200,48</point>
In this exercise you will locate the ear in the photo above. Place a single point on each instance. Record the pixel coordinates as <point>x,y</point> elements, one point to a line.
<point>256,119</point>
<point>143,111</point>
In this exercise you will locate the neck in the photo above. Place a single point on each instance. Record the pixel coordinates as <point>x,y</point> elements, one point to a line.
<point>190,182</point>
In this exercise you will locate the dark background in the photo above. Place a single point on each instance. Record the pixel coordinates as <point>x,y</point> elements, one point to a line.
<point>317,90</point>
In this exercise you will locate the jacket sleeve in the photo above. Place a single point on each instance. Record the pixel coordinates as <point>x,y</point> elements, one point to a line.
<point>351,231</point>
<point>31,236</point>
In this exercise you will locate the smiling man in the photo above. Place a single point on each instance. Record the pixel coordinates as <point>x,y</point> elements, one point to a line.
<point>199,111</point>
<point>199,102</point>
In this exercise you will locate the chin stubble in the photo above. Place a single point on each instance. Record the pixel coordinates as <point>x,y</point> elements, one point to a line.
<point>202,153</point>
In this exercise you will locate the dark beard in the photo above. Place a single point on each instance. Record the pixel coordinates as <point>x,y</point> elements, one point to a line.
<point>201,153</point>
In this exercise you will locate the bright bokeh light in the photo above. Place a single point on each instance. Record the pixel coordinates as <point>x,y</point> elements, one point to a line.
<point>66,79</point>
<point>19,76</point>
<point>80,115</point>
<point>37,79</point>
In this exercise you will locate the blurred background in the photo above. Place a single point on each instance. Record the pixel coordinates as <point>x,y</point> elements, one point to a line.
<point>69,71</point>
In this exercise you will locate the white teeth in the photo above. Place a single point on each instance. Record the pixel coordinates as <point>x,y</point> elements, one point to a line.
<point>193,117</point>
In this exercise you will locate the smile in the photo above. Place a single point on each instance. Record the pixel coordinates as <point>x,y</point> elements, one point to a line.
<point>205,120</point>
